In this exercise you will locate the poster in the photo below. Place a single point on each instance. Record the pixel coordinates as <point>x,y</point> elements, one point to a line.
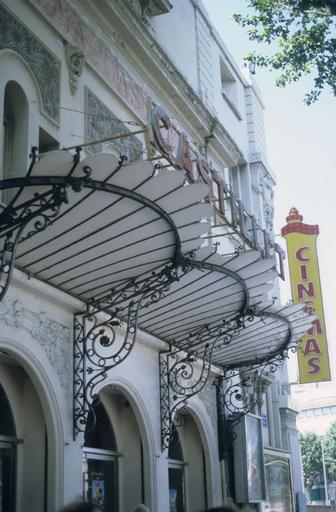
<point>172,500</point>
<point>279,496</point>
<point>249,461</point>
<point>254,459</point>
<point>97,488</point>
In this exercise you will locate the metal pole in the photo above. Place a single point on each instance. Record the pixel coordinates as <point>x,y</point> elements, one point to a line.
<point>324,475</point>
<point>107,139</point>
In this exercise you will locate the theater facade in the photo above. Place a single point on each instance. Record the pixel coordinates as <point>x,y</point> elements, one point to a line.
<point>142,341</point>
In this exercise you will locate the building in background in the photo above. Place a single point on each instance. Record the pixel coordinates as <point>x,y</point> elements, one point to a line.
<point>317,407</point>
<point>140,330</point>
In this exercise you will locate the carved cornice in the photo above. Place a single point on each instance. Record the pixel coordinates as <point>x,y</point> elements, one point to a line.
<point>168,78</point>
<point>122,25</point>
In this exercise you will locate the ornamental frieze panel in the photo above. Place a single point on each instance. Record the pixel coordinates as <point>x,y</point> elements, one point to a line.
<point>97,54</point>
<point>101,124</point>
<point>54,337</point>
<point>45,67</point>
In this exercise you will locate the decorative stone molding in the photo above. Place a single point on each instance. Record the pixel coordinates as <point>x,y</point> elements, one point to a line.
<point>75,59</point>
<point>45,67</point>
<point>54,337</point>
<point>101,123</point>
<point>186,93</point>
<point>208,396</point>
<point>145,9</point>
<point>97,54</point>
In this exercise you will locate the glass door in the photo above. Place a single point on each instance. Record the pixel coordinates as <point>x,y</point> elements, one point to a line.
<point>176,488</point>
<point>7,477</point>
<point>100,481</point>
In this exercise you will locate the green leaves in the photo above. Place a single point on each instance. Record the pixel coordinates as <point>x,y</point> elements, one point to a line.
<point>311,451</point>
<point>303,33</point>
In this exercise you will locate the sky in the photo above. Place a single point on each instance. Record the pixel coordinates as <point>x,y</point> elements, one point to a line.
<point>301,147</point>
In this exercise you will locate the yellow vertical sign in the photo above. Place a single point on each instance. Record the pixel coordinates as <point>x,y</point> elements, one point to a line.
<point>313,358</point>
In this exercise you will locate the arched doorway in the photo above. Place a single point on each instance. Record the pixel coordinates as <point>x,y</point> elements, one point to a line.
<point>7,455</point>
<point>35,444</point>
<point>177,499</point>
<point>100,472</point>
<point>187,467</point>
<point>114,468</point>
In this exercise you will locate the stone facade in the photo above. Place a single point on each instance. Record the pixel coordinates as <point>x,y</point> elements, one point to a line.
<point>99,67</point>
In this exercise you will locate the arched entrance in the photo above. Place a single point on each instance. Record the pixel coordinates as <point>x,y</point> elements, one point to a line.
<point>186,467</point>
<point>100,471</point>
<point>176,475</point>
<point>33,393</point>
<point>7,455</point>
<point>114,459</point>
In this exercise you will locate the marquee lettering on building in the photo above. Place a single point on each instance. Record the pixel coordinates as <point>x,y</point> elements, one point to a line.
<point>301,238</point>
<point>174,145</point>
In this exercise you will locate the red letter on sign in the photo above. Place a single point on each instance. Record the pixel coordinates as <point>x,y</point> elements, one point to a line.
<point>183,158</point>
<point>316,329</point>
<point>221,188</point>
<point>159,114</point>
<point>311,346</point>
<point>313,363</point>
<point>303,272</point>
<point>204,172</point>
<point>299,255</point>
<point>301,289</point>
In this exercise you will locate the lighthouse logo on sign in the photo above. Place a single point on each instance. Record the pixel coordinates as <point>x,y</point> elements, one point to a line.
<point>301,238</point>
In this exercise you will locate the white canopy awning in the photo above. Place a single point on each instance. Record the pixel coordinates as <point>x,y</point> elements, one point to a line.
<point>265,334</point>
<point>124,221</point>
<point>92,227</point>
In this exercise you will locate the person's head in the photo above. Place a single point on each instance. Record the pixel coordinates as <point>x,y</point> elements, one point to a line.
<point>81,506</point>
<point>141,508</point>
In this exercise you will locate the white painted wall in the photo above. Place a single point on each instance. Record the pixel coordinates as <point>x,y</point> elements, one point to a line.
<point>32,375</point>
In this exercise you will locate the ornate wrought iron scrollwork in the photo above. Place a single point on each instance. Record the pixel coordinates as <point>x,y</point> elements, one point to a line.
<point>21,220</point>
<point>98,347</point>
<point>179,381</point>
<point>185,369</point>
<point>239,392</point>
<point>184,372</point>
<point>19,223</point>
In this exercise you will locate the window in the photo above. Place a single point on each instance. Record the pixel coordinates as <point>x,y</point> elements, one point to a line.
<point>47,142</point>
<point>229,88</point>
<point>15,134</point>
<point>100,472</point>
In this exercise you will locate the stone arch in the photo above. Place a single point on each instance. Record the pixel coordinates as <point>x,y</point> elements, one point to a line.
<point>205,427</point>
<point>19,71</point>
<point>14,69</point>
<point>130,392</point>
<point>38,368</point>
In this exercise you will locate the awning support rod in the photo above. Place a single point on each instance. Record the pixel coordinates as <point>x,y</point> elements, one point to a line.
<point>106,139</point>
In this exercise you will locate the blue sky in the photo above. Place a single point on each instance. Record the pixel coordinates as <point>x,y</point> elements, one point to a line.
<point>301,143</point>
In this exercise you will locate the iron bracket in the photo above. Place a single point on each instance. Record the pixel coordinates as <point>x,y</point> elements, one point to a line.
<point>239,392</point>
<point>99,347</point>
<point>180,379</point>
